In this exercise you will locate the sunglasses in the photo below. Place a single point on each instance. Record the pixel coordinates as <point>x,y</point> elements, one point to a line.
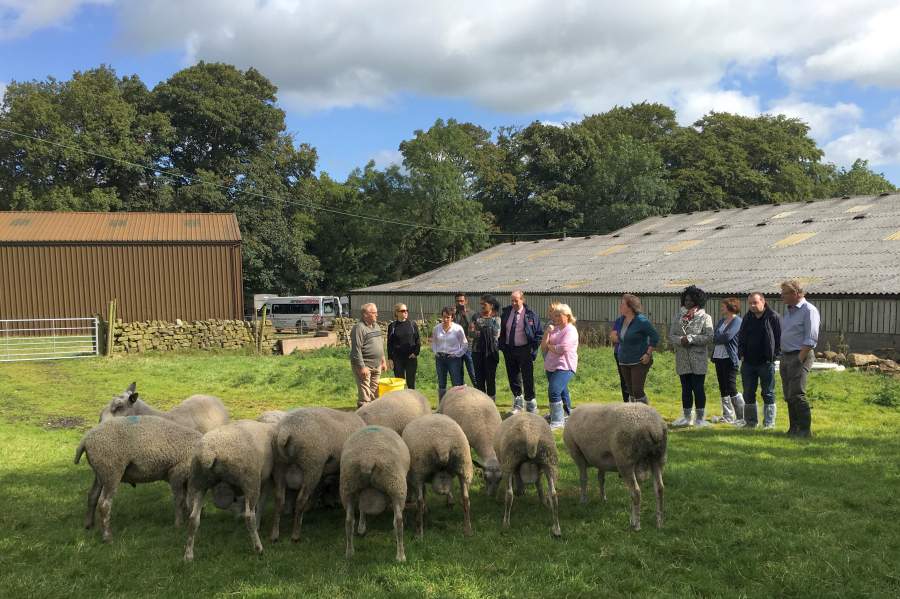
<point>402,310</point>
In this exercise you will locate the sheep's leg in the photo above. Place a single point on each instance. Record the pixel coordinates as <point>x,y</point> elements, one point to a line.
<point>361,530</point>
<point>195,497</point>
<point>93,496</point>
<point>299,507</point>
<point>105,507</point>
<point>450,500</point>
<point>398,528</point>
<point>583,480</point>
<point>554,502</point>
<point>178,497</point>
<point>519,485</point>
<point>251,499</point>
<point>349,525</point>
<point>279,493</point>
<point>507,507</point>
<point>467,517</point>
<point>658,488</point>
<point>631,482</point>
<point>601,479</point>
<point>420,510</point>
<point>539,486</point>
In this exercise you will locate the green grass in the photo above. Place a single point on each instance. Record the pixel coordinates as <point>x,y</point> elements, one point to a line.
<point>748,513</point>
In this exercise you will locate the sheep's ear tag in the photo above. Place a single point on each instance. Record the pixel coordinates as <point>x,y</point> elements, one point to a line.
<point>133,397</point>
<point>133,419</point>
<point>371,429</point>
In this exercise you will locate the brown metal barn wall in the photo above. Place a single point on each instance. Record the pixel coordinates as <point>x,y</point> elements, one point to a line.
<point>151,281</point>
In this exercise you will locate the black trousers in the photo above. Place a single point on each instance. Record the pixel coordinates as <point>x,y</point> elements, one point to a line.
<point>726,374</point>
<point>622,384</point>
<point>405,368</point>
<point>520,371</point>
<point>486,372</point>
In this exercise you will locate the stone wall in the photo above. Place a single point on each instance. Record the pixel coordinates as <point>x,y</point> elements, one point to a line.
<point>157,335</point>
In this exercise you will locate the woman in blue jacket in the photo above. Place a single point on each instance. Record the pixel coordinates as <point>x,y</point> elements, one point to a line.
<point>637,340</point>
<point>725,357</point>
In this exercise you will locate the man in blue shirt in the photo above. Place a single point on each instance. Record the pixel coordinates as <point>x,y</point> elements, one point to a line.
<point>799,335</point>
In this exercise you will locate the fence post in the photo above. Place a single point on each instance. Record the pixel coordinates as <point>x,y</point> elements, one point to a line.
<point>262,329</point>
<point>111,325</point>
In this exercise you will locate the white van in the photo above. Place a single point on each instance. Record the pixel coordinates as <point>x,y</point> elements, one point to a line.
<point>302,312</point>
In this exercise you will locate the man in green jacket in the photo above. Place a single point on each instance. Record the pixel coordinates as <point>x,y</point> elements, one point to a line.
<point>367,354</point>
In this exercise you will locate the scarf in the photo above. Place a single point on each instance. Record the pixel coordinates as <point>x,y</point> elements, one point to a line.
<point>689,315</point>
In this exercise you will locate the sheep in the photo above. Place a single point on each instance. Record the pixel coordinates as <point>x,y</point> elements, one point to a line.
<point>201,412</point>
<point>374,467</point>
<point>526,449</point>
<point>626,437</point>
<point>272,416</point>
<point>239,454</point>
<point>136,449</point>
<point>308,444</point>
<point>439,451</point>
<point>396,409</point>
<point>476,414</point>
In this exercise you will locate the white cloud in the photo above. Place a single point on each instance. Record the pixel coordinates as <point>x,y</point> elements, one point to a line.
<point>878,146</point>
<point>527,55</point>
<point>695,104</point>
<point>824,121</point>
<point>18,18</point>
<point>386,158</point>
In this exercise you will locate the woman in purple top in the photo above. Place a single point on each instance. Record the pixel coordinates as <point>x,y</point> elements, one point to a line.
<point>560,347</point>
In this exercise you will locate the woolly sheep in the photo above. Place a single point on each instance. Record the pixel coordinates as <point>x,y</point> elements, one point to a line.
<point>476,414</point>
<point>526,449</point>
<point>374,467</point>
<point>239,454</point>
<point>439,452</point>
<point>308,444</point>
<point>200,412</point>
<point>395,409</point>
<point>272,416</point>
<point>626,437</point>
<point>136,449</point>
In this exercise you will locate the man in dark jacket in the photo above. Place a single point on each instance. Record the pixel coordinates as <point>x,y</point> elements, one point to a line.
<point>520,338</point>
<point>461,317</point>
<point>759,345</point>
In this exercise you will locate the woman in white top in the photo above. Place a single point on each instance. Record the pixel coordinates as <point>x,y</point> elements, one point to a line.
<point>449,344</point>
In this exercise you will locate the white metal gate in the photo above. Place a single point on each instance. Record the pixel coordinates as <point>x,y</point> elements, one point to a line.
<point>48,339</point>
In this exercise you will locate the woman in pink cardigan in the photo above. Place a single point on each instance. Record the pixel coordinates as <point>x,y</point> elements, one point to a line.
<point>560,348</point>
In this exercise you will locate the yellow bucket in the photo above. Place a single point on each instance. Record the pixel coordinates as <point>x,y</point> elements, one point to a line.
<point>389,384</point>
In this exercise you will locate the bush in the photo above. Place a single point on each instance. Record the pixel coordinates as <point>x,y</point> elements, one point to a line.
<point>887,396</point>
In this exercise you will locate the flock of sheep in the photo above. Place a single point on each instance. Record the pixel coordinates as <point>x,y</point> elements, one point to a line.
<point>382,455</point>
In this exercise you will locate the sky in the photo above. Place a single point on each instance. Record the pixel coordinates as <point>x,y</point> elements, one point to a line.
<point>357,77</point>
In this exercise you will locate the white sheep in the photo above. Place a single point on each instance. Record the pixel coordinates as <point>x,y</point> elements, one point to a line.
<point>526,449</point>
<point>395,409</point>
<point>439,452</point>
<point>626,437</point>
<point>239,454</point>
<point>308,444</point>
<point>200,412</point>
<point>477,415</point>
<point>136,449</point>
<point>374,467</point>
<point>271,416</point>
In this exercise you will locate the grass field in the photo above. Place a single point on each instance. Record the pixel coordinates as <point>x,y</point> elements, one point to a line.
<point>750,514</point>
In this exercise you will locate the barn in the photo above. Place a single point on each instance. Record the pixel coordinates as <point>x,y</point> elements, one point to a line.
<point>159,266</point>
<point>845,250</point>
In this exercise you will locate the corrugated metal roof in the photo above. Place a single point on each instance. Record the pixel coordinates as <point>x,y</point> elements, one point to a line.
<point>838,246</point>
<point>118,227</point>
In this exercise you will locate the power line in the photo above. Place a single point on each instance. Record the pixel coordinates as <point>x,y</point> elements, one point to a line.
<point>311,205</point>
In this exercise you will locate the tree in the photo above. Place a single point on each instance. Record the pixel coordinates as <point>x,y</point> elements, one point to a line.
<point>859,179</point>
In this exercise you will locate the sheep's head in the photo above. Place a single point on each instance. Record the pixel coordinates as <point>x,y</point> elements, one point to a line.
<point>122,404</point>
<point>492,473</point>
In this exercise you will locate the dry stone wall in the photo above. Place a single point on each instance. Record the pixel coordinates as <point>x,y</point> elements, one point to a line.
<point>157,335</point>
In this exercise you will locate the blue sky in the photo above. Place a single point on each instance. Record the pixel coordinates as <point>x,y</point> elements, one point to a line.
<point>359,76</point>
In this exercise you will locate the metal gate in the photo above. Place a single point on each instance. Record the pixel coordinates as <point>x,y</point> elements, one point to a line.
<point>48,339</point>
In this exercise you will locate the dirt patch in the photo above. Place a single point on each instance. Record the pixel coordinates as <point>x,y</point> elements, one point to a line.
<point>63,422</point>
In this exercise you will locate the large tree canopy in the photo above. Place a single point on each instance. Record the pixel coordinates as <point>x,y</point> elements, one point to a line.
<point>212,138</point>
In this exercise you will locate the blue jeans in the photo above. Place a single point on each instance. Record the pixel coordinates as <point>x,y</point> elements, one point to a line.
<point>762,374</point>
<point>470,368</point>
<point>558,387</point>
<point>448,365</point>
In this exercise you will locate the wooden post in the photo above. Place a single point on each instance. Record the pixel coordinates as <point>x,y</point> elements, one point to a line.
<point>262,329</point>
<point>110,325</point>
